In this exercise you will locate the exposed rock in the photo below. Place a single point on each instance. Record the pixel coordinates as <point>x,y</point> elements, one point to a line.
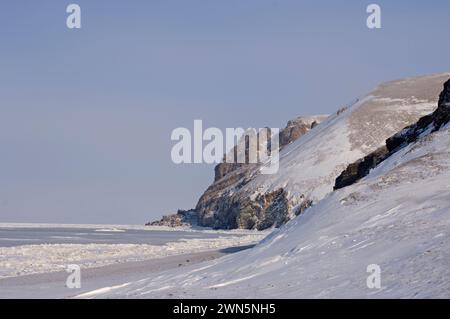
<point>181,218</point>
<point>294,130</point>
<point>223,169</point>
<point>262,212</point>
<point>341,110</point>
<point>222,206</point>
<point>361,168</point>
<point>303,206</point>
<point>429,123</point>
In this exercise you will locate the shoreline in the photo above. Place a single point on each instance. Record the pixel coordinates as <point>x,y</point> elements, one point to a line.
<point>41,250</point>
<point>115,227</point>
<point>52,285</point>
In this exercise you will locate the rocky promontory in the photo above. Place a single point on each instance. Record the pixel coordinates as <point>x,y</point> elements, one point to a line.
<point>321,154</point>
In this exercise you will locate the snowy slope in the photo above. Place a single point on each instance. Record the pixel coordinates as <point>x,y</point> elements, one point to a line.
<point>398,217</point>
<point>310,165</point>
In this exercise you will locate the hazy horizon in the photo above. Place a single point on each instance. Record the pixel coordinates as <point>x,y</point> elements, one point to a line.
<point>86,115</point>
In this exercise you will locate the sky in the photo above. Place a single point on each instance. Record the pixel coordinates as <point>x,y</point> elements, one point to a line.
<point>86,114</point>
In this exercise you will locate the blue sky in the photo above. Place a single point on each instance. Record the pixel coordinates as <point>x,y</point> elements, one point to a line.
<point>86,115</point>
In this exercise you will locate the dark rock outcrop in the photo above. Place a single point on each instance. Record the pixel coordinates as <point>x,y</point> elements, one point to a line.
<point>427,124</point>
<point>260,213</point>
<point>181,218</point>
<point>355,171</point>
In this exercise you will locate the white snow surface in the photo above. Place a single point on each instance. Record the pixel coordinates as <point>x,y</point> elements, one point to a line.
<point>398,217</point>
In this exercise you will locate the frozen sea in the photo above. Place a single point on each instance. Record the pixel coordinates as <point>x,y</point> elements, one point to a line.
<point>11,237</point>
<point>34,257</point>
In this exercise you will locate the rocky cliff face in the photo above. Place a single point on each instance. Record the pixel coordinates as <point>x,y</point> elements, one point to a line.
<point>294,130</point>
<point>261,212</point>
<point>223,206</point>
<point>426,124</point>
